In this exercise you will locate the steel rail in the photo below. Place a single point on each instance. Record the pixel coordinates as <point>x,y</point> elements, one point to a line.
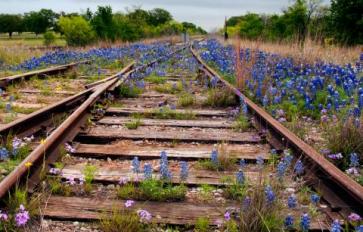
<point>48,151</point>
<point>5,81</point>
<point>351,191</point>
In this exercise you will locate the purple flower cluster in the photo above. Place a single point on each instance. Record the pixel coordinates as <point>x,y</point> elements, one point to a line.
<point>144,215</point>
<point>22,217</point>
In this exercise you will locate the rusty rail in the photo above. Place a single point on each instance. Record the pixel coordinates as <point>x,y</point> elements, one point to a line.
<point>5,81</point>
<point>48,151</point>
<point>334,178</point>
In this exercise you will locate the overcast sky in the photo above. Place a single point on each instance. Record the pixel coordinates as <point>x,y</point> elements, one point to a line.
<point>209,14</point>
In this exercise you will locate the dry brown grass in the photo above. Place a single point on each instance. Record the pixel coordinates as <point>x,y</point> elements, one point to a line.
<point>311,52</point>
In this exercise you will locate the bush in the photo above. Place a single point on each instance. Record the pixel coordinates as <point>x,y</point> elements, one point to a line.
<point>48,38</point>
<point>77,31</point>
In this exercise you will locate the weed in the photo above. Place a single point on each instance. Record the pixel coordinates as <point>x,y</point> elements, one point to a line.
<point>186,99</point>
<point>153,190</point>
<point>121,220</point>
<point>224,162</point>
<point>202,225</point>
<point>155,79</point>
<point>206,192</point>
<point>129,91</point>
<point>169,88</point>
<point>167,113</point>
<point>89,172</point>
<point>134,124</point>
<point>345,137</point>
<point>220,98</point>
<point>241,123</point>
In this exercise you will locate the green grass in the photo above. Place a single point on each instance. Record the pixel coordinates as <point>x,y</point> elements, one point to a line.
<point>169,88</point>
<point>167,113</point>
<point>134,124</point>
<point>241,123</point>
<point>220,98</point>
<point>152,190</point>
<point>186,99</point>
<point>202,225</point>
<point>129,92</point>
<point>155,79</point>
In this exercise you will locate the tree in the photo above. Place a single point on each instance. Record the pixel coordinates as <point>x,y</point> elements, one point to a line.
<point>158,16</point>
<point>296,19</point>
<point>102,23</point>
<point>347,20</point>
<point>40,22</point>
<point>48,38</point>
<point>10,23</point>
<point>126,29</point>
<point>251,26</point>
<point>77,30</point>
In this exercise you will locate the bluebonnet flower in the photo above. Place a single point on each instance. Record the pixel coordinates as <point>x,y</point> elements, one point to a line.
<point>227,216</point>
<point>287,158</point>
<point>270,195</point>
<point>129,203</point>
<point>291,201</point>
<point>354,160</point>
<point>336,227</point>
<point>299,167</point>
<point>214,157</point>
<point>289,222</point>
<point>315,198</point>
<point>8,107</point>
<point>281,169</point>
<point>183,170</point>
<point>164,169</point>
<point>135,165</point>
<point>4,153</point>
<point>359,228</point>
<point>148,171</point>
<point>246,203</point>
<point>305,222</point>
<point>259,160</point>
<point>242,163</point>
<point>240,178</point>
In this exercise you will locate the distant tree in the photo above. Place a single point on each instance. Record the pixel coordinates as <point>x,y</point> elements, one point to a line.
<point>88,15</point>
<point>296,19</point>
<point>126,29</point>
<point>77,30</point>
<point>102,22</point>
<point>39,22</point>
<point>251,26</point>
<point>48,38</point>
<point>347,20</point>
<point>158,16</point>
<point>233,21</point>
<point>10,24</point>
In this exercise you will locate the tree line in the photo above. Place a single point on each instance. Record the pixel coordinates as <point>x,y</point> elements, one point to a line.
<point>341,22</point>
<point>104,24</point>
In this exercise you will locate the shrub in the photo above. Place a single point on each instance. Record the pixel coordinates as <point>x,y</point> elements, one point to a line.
<point>48,38</point>
<point>220,98</point>
<point>77,31</point>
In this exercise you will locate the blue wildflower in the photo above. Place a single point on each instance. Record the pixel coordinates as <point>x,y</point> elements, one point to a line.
<point>4,153</point>
<point>281,169</point>
<point>289,222</point>
<point>305,222</point>
<point>148,171</point>
<point>299,167</point>
<point>259,160</point>
<point>291,201</point>
<point>354,160</point>
<point>135,165</point>
<point>183,170</point>
<point>359,228</point>
<point>336,227</point>
<point>315,198</point>
<point>242,163</point>
<point>246,203</point>
<point>240,178</point>
<point>214,157</point>
<point>270,195</point>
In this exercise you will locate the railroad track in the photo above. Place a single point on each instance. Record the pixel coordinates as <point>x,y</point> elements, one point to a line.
<point>182,139</point>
